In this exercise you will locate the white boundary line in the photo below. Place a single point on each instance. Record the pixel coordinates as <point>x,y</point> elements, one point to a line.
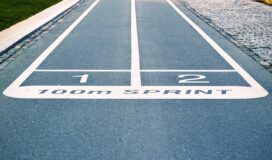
<point>80,70</point>
<point>187,70</point>
<point>135,58</point>
<point>117,92</point>
<point>212,43</point>
<point>143,70</point>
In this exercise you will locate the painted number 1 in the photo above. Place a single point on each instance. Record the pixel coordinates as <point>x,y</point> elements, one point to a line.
<point>83,78</point>
<point>192,78</point>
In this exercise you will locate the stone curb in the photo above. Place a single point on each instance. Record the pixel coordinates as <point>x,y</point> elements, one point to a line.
<point>15,33</point>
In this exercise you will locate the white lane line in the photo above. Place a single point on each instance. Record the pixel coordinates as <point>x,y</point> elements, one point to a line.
<point>188,71</point>
<point>80,70</point>
<point>49,50</point>
<point>221,52</point>
<point>135,58</point>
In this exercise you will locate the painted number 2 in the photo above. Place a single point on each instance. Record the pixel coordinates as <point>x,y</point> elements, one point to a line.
<point>192,78</point>
<point>83,78</point>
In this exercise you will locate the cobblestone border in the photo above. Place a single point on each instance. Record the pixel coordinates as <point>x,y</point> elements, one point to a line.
<point>228,36</point>
<point>16,49</point>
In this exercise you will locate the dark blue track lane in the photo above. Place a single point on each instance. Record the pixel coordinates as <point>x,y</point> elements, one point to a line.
<point>172,79</point>
<point>100,41</point>
<point>66,78</point>
<point>166,41</point>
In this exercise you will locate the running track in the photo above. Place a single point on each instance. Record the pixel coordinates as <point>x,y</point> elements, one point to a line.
<point>139,79</point>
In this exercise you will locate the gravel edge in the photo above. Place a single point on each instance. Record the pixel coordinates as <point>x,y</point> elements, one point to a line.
<point>249,51</point>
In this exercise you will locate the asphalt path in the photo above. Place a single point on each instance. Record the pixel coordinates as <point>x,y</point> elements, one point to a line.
<point>139,79</point>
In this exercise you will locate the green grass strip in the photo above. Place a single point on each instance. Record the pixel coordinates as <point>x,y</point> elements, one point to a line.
<point>13,11</point>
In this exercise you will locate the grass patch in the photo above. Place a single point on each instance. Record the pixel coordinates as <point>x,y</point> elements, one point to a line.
<point>13,11</point>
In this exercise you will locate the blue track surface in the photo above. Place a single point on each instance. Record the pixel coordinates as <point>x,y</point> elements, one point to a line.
<point>47,119</point>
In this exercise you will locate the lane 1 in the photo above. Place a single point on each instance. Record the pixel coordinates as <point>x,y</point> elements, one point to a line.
<point>78,79</point>
<point>100,42</point>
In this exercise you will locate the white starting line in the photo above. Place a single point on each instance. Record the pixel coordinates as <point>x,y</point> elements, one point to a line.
<point>136,90</point>
<point>142,70</point>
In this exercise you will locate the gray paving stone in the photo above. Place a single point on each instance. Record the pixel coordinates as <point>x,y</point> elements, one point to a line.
<point>4,64</point>
<point>7,56</point>
<point>248,24</point>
